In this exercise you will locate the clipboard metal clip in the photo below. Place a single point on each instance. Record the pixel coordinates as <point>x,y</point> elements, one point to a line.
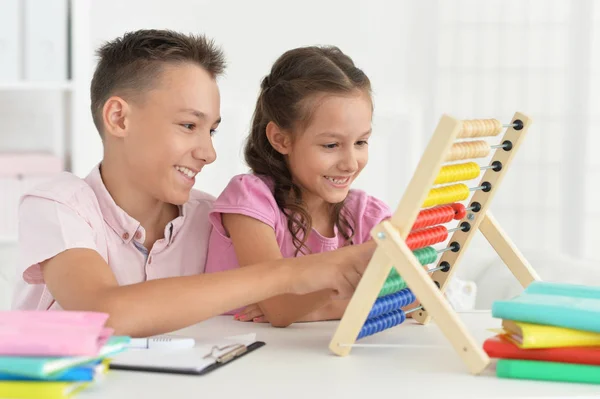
<point>234,351</point>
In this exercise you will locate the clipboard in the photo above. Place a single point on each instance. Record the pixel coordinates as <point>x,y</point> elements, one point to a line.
<point>195,361</point>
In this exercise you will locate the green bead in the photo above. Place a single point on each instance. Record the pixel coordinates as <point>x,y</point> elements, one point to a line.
<point>426,255</point>
<point>393,284</point>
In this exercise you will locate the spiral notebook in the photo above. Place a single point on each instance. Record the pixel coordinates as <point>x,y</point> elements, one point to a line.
<point>203,358</point>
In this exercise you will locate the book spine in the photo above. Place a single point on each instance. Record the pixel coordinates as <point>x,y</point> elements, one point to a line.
<point>561,289</point>
<point>574,318</point>
<point>499,349</point>
<point>72,375</point>
<point>547,371</point>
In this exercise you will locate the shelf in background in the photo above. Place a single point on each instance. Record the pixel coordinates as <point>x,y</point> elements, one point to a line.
<point>36,86</point>
<point>8,240</point>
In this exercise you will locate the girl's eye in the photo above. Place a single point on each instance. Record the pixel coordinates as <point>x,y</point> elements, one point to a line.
<point>189,126</point>
<point>330,146</point>
<point>362,143</point>
<point>213,132</point>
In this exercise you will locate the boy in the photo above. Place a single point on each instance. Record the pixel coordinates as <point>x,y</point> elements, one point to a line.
<point>131,238</point>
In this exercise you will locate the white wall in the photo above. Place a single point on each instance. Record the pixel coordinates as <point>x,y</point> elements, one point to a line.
<point>253,35</point>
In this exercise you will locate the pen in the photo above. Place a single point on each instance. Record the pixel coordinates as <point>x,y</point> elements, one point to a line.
<point>162,342</point>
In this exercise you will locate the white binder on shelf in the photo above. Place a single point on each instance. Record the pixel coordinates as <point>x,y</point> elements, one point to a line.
<point>46,40</point>
<point>10,37</point>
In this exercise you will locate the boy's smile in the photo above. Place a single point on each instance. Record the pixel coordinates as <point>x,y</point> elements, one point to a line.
<point>188,174</point>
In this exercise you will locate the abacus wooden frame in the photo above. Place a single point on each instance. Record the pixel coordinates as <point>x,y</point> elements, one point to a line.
<point>392,251</point>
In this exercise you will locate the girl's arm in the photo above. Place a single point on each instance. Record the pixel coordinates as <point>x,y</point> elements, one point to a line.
<point>333,310</point>
<point>255,242</point>
<point>80,279</point>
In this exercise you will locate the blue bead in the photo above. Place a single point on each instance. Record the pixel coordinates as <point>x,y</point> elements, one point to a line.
<point>386,312</point>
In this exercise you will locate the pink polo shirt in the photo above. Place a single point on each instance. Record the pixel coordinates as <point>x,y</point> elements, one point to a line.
<point>68,212</point>
<point>252,195</point>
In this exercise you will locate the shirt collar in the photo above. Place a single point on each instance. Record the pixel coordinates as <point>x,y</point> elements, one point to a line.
<point>120,221</point>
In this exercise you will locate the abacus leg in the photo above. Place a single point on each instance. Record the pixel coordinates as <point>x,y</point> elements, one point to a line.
<point>361,303</point>
<point>507,251</point>
<point>431,298</point>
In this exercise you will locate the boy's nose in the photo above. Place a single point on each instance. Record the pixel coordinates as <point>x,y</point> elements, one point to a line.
<point>205,152</point>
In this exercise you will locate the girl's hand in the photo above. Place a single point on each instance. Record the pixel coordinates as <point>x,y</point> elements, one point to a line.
<point>251,313</point>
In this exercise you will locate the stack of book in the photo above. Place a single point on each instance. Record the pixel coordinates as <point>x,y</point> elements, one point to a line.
<point>54,354</point>
<point>549,332</point>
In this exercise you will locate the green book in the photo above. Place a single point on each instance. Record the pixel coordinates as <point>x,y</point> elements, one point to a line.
<point>548,371</point>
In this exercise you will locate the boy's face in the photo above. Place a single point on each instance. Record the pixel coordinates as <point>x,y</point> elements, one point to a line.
<point>331,152</point>
<point>169,132</point>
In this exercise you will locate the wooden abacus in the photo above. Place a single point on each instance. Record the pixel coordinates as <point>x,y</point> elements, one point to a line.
<point>404,242</point>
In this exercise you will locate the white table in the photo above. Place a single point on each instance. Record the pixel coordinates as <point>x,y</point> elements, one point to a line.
<point>296,363</point>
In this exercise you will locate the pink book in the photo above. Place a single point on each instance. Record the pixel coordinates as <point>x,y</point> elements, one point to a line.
<point>52,333</point>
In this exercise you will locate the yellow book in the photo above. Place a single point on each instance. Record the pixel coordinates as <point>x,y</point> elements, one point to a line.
<point>39,389</point>
<point>529,336</point>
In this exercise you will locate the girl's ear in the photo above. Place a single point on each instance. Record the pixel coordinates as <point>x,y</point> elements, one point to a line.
<point>280,140</point>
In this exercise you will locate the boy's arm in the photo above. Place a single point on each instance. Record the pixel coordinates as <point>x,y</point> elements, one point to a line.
<point>160,305</point>
<point>57,248</point>
<point>255,242</point>
<point>168,304</point>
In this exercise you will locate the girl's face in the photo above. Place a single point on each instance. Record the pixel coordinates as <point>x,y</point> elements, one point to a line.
<point>329,154</point>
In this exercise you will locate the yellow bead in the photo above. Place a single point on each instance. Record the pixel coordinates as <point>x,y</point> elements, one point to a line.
<point>446,195</point>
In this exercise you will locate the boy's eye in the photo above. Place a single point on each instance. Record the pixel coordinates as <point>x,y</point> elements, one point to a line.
<point>213,132</point>
<point>330,146</point>
<point>189,126</point>
<point>362,143</point>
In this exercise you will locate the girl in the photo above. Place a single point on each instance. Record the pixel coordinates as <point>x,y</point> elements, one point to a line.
<point>308,143</point>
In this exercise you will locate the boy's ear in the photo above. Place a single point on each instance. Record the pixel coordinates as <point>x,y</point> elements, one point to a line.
<point>115,113</point>
<point>280,140</point>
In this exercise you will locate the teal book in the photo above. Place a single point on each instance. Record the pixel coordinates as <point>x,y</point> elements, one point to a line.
<point>54,367</point>
<point>554,304</point>
<point>547,371</point>
<point>85,372</point>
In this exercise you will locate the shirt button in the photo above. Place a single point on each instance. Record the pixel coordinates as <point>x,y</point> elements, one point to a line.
<point>138,235</point>
<point>125,236</point>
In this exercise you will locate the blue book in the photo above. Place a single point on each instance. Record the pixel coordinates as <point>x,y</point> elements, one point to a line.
<point>85,372</point>
<point>555,304</point>
<point>53,367</point>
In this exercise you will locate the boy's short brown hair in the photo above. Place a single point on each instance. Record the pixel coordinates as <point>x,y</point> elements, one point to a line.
<point>132,62</point>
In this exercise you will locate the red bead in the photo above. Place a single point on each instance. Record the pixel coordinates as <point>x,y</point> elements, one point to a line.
<point>426,237</point>
<point>434,216</point>
<point>460,211</point>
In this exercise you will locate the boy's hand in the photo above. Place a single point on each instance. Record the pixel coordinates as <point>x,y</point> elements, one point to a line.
<point>338,271</point>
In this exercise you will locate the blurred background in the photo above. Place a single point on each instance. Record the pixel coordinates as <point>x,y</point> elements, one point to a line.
<point>466,58</point>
